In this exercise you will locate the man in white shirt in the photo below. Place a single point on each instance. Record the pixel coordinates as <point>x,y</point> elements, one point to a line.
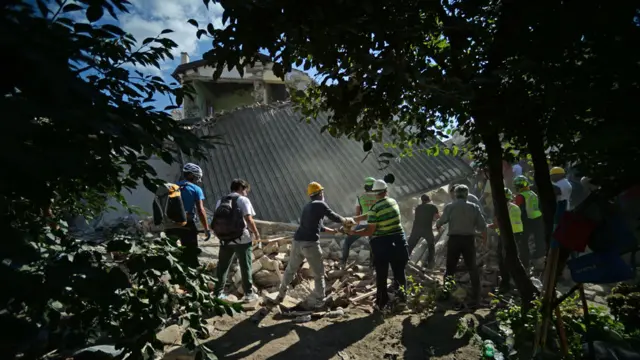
<point>239,244</point>
<point>559,179</point>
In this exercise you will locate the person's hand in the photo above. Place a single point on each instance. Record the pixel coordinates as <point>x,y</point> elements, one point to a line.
<point>349,221</point>
<point>256,236</point>
<point>207,235</point>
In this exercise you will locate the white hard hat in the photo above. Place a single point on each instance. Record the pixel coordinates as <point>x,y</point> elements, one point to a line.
<point>379,185</point>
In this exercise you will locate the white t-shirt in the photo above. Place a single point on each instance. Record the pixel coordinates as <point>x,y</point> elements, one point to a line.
<point>247,209</point>
<point>517,170</point>
<point>565,191</point>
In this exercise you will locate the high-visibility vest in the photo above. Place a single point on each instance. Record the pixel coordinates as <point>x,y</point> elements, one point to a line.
<point>515,217</point>
<point>531,204</point>
<point>366,201</point>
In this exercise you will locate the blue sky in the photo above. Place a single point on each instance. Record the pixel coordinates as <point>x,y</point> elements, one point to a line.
<point>147,18</point>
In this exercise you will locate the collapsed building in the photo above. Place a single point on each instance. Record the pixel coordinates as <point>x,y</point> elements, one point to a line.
<point>269,145</point>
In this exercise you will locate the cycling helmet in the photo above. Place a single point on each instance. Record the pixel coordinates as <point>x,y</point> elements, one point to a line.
<point>190,168</point>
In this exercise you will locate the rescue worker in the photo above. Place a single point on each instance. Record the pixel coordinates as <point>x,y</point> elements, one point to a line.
<point>559,179</point>
<point>306,243</point>
<point>388,244</point>
<point>363,204</point>
<point>425,214</point>
<point>193,201</point>
<point>532,220</point>
<point>515,217</point>
<point>465,219</point>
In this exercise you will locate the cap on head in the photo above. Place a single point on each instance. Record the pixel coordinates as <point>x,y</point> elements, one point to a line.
<point>556,170</point>
<point>369,181</point>
<point>379,185</point>
<point>508,194</point>
<point>461,191</point>
<point>314,188</point>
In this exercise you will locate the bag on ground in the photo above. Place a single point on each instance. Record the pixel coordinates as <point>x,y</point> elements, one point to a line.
<point>168,208</point>
<point>228,222</point>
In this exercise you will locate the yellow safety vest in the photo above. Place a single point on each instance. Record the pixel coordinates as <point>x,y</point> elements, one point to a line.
<point>531,204</point>
<point>515,218</point>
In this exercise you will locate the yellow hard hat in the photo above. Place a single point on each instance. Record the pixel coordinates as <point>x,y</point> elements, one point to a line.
<point>314,188</point>
<point>556,171</point>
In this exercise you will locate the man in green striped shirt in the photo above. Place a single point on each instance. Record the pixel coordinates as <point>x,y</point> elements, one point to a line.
<point>388,243</point>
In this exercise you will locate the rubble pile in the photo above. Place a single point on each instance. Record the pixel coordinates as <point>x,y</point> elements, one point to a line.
<point>271,259</point>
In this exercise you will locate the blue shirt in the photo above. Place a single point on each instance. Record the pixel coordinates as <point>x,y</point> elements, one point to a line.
<point>190,194</point>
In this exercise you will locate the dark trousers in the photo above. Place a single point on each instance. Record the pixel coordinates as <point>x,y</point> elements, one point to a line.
<point>188,236</point>
<point>244,254</point>
<point>431,243</point>
<point>389,250</point>
<point>534,228</point>
<point>464,245</point>
<point>522,242</point>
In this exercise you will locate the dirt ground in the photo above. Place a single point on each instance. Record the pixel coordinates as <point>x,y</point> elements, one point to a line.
<point>357,335</point>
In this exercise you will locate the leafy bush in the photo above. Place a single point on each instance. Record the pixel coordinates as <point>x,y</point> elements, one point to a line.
<point>602,326</point>
<point>122,292</point>
<point>80,127</point>
<point>624,303</point>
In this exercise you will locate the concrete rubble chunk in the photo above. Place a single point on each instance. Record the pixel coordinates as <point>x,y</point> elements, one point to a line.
<point>256,266</point>
<point>269,264</point>
<point>171,335</point>
<point>363,256</point>
<point>266,278</point>
<point>306,270</point>
<point>257,253</point>
<point>271,248</point>
<point>284,248</point>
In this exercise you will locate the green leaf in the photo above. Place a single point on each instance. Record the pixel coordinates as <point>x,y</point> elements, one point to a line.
<point>210,29</point>
<point>201,32</point>
<point>193,22</point>
<point>206,3</point>
<point>71,7</point>
<point>147,40</point>
<point>94,13</point>
<point>367,146</point>
<point>387,155</point>
<point>166,31</point>
<point>42,6</point>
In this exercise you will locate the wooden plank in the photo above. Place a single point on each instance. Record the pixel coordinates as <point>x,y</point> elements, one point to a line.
<point>363,296</point>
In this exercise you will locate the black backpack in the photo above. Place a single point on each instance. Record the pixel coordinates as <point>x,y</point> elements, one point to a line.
<point>228,222</point>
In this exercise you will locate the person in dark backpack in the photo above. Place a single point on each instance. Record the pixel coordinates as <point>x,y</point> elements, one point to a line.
<point>233,224</point>
<point>193,200</point>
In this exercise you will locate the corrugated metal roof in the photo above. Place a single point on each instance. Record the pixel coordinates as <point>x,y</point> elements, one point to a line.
<point>279,155</point>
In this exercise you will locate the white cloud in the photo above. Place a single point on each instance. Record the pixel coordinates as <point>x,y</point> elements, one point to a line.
<point>149,17</point>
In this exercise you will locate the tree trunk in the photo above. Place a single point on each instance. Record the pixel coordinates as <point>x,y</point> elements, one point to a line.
<point>535,144</point>
<point>512,260</point>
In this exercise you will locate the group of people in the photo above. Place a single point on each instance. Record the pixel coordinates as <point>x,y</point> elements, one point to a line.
<point>377,217</point>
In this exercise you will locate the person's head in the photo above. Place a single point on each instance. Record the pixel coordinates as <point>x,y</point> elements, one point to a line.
<point>368,183</point>
<point>557,173</point>
<point>425,198</point>
<point>452,190</point>
<point>461,192</point>
<point>520,183</point>
<point>240,186</point>
<point>192,172</point>
<point>379,188</point>
<point>508,194</point>
<point>315,191</point>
